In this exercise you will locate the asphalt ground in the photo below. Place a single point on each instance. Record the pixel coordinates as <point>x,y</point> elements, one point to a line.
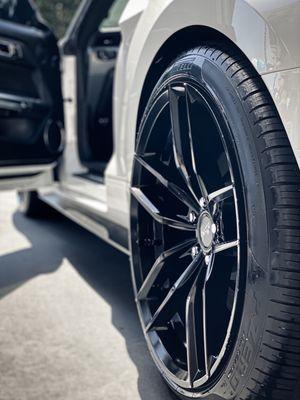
<point>68,324</point>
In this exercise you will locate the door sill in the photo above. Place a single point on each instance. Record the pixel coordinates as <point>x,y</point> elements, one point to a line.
<point>90,177</point>
<point>92,220</point>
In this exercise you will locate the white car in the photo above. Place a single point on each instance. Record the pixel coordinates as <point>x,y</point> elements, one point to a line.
<point>177,140</point>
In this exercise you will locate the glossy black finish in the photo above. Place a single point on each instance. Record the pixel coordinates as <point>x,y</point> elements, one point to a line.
<point>185,235</point>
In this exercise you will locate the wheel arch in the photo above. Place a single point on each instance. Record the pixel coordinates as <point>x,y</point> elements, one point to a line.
<point>182,40</point>
<point>170,27</point>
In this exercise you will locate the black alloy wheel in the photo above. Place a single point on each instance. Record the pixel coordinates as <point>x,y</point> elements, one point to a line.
<point>189,269</point>
<point>192,228</point>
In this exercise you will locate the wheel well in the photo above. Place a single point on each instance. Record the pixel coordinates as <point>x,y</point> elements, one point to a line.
<point>179,42</point>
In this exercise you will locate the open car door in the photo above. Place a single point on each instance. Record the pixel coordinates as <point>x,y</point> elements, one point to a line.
<point>31,105</point>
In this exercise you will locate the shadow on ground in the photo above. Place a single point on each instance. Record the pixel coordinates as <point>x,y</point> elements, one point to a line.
<point>105,269</point>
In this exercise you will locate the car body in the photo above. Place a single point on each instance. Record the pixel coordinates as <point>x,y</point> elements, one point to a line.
<point>94,190</point>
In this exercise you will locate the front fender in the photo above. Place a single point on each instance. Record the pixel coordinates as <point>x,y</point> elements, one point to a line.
<point>265,31</point>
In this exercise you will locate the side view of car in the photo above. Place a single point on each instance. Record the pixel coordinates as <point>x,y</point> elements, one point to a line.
<point>170,129</point>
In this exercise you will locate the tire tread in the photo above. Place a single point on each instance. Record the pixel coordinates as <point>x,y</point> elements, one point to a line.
<point>279,363</point>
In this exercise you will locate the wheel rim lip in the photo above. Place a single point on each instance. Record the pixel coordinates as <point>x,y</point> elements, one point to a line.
<point>208,96</point>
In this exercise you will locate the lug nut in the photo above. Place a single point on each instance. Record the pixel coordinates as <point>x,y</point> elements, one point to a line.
<point>207,259</point>
<point>192,217</point>
<point>213,228</point>
<point>195,251</point>
<point>203,202</point>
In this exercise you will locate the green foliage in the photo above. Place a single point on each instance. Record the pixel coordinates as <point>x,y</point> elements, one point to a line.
<point>114,14</point>
<point>58,13</point>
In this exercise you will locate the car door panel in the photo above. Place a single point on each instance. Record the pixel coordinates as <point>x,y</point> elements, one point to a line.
<point>31,106</point>
<point>30,94</point>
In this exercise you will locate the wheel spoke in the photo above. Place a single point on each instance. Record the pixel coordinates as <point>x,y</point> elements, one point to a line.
<point>181,281</point>
<point>221,194</point>
<point>182,140</point>
<point>146,203</point>
<point>204,327</point>
<point>195,160</point>
<point>225,246</point>
<point>158,265</point>
<point>191,337</point>
<point>204,316</point>
<point>160,172</point>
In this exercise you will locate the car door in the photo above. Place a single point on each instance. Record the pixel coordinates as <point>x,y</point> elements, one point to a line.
<point>31,106</point>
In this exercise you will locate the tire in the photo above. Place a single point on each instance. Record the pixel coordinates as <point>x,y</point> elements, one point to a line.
<point>30,205</point>
<point>216,90</point>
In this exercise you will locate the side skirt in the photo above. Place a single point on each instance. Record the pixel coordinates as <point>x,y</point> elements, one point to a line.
<point>112,233</point>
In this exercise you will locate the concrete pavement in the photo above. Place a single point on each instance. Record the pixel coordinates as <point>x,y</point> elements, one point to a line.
<point>68,324</point>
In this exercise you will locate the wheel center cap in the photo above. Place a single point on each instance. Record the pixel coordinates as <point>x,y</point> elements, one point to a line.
<point>206,231</point>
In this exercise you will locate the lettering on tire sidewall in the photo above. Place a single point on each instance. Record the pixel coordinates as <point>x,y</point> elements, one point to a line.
<point>248,343</point>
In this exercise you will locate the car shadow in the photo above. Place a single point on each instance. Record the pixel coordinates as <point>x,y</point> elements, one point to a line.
<point>105,269</point>
<point>20,266</point>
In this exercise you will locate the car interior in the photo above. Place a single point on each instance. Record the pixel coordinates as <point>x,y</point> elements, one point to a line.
<point>96,51</point>
<point>31,109</point>
<point>101,57</point>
